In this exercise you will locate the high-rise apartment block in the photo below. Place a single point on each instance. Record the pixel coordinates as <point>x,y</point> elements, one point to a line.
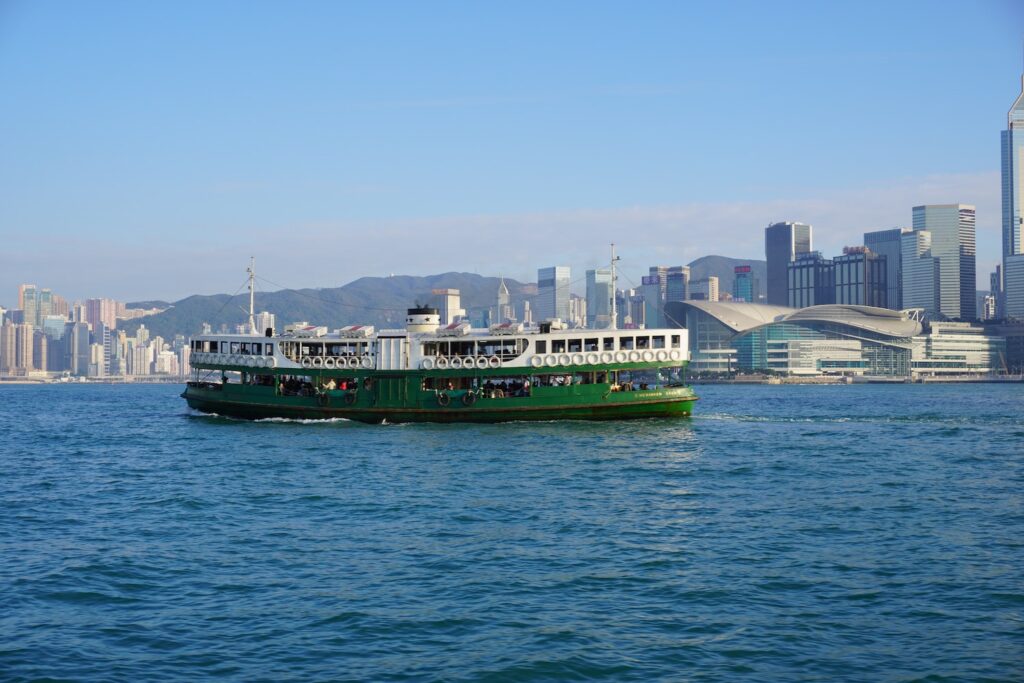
<point>888,243</point>
<point>101,312</point>
<point>952,230</point>
<point>553,293</point>
<point>782,243</point>
<point>1012,303</point>
<point>449,305</point>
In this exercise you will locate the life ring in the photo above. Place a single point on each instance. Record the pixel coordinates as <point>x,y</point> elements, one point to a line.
<point>468,398</point>
<point>593,358</point>
<point>307,362</point>
<point>536,361</point>
<point>443,399</point>
<point>350,398</point>
<point>271,362</point>
<point>578,359</point>
<point>318,362</point>
<point>260,363</point>
<point>323,399</point>
<point>676,354</point>
<point>550,360</point>
<point>367,363</point>
<point>607,357</point>
<point>328,362</point>
<point>621,356</point>
<point>442,362</point>
<point>483,362</point>
<point>456,362</point>
<point>634,356</point>
<point>427,363</point>
<point>564,359</point>
<point>648,356</point>
<point>661,355</point>
<point>495,362</point>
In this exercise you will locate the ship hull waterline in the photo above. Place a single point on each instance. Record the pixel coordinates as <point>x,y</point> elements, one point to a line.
<point>235,401</point>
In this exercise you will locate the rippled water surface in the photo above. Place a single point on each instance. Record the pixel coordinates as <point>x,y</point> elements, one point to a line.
<point>868,533</point>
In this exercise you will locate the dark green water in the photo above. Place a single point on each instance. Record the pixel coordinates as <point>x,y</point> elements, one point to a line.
<point>861,533</point>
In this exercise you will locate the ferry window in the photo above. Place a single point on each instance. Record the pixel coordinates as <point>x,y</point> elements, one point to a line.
<point>234,347</point>
<point>213,347</point>
<point>257,348</point>
<point>675,341</point>
<point>542,346</point>
<point>658,342</point>
<point>626,343</point>
<point>270,349</point>
<point>643,342</point>
<point>557,346</point>
<point>590,344</point>
<point>575,345</point>
<point>245,348</point>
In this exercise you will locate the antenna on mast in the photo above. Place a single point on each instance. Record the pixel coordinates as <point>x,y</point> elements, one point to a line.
<point>252,312</point>
<point>615,290</point>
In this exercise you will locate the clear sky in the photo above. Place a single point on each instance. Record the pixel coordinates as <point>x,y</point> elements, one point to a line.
<point>147,149</point>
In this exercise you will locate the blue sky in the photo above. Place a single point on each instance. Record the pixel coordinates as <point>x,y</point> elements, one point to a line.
<point>147,149</point>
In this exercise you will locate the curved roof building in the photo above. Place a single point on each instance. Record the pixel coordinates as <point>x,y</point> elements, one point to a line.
<point>827,339</point>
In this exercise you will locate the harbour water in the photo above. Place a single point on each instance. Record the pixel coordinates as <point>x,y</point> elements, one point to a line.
<point>861,533</point>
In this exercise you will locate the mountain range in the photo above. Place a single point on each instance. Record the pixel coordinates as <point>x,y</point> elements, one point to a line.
<point>379,301</point>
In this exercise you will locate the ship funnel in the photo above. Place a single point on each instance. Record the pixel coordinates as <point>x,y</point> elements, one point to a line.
<point>421,320</point>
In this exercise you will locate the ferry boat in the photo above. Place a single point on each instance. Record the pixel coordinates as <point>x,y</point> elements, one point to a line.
<point>429,372</point>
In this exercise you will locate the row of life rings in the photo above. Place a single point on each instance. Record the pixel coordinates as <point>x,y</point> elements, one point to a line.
<point>552,360</point>
<point>222,359</point>
<point>461,362</point>
<point>330,363</point>
<point>468,399</point>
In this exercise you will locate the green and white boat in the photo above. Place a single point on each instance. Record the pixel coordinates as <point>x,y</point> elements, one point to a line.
<point>429,372</point>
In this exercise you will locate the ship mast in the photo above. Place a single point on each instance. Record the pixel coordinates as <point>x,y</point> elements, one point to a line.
<point>615,317</point>
<point>252,311</point>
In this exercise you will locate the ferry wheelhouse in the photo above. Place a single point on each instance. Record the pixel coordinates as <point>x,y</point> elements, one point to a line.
<point>428,372</point>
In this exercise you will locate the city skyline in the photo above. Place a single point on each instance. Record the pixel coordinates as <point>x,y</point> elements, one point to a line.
<point>124,178</point>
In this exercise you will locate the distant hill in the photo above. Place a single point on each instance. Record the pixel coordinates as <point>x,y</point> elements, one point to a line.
<point>379,301</point>
<point>147,304</point>
<point>722,268</point>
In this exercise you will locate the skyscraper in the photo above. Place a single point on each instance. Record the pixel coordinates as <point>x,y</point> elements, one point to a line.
<point>810,281</point>
<point>1012,303</point>
<point>553,293</point>
<point>103,311</point>
<point>860,277</point>
<point>677,287</point>
<point>599,298</point>
<point>887,243</point>
<point>782,243</point>
<point>450,305</point>
<point>921,273</point>
<point>952,229</point>
<point>654,305</point>
<point>503,311</point>
<point>744,285</point>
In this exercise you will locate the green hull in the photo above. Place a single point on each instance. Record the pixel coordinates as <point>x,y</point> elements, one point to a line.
<point>399,398</point>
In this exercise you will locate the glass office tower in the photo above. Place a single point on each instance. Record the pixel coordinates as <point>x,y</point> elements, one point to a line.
<point>783,242</point>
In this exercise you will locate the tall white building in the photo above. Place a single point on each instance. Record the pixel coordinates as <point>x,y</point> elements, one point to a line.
<point>449,305</point>
<point>920,272</point>
<point>263,322</point>
<point>953,244</point>
<point>553,293</point>
<point>1013,208</point>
